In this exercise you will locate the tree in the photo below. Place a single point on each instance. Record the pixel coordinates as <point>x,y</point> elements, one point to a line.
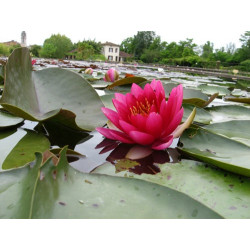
<point>127,45</point>
<point>56,46</point>
<point>85,51</point>
<point>207,49</point>
<point>142,40</point>
<point>35,50</point>
<point>186,48</point>
<point>4,50</point>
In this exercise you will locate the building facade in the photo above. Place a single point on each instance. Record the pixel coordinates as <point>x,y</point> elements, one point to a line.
<point>111,51</point>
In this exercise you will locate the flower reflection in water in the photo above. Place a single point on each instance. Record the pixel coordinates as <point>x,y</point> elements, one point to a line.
<point>136,158</point>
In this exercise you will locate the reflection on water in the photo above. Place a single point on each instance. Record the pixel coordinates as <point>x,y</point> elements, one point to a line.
<point>134,158</point>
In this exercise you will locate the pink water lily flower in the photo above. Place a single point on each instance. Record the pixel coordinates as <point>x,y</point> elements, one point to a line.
<point>144,117</point>
<point>111,76</point>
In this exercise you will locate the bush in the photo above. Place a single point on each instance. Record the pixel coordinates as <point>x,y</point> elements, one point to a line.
<point>245,65</point>
<point>4,50</point>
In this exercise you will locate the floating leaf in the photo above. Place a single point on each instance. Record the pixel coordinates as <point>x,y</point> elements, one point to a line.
<point>18,147</point>
<point>192,96</point>
<point>217,150</point>
<point>211,89</point>
<point>225,193</point>
<point>237,130</point>
<point>52,92</point>
<point>46,191</point>
<point>128,80</point>
<point>228,113</point>
<point>202,116</point>
<point>8,120</point>
<point>238,99</point>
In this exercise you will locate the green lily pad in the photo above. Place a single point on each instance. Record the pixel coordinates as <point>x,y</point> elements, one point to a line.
<point>211,89</point>
<point>217,150</point>
<point>18,147</point>
<point>50,93</point>
<point>46,191</point>
<point>225,193</point>
<point>107,101</point>
<point>128,80</point>
<point>202,116</point>
<point>191,96</point>
<point>238,92</point>
<point>228,113</point>
<point>237,130</point>
<point>8,120</point>
<point>238,99</point>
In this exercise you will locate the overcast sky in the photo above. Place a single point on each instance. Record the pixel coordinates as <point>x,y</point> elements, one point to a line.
<point>220,21</point>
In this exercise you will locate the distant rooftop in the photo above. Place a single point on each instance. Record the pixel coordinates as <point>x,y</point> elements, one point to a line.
<point>124,54</point>
<point>110,44</point>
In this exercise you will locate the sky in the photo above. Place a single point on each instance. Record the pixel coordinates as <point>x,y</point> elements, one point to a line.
<point>219,21</point>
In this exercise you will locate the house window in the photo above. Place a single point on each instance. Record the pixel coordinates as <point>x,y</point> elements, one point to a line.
<point>110,49</point>
<point>110,58</point>
<point>116,50</point>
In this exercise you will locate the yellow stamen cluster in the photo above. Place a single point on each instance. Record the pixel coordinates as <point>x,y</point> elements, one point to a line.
<point>141,108</point>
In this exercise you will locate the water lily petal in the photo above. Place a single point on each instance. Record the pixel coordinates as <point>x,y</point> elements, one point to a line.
<point>136,90</point>
<point>105,132</point>
<point>149,93</point>
<point>138,152</point>
<point>141,138</point>
<point>139,121</point>
<point>122,110</point>
<point>179,130</point>
<point>130,100</point>
<point>120,97</point>
<point>160,145</point>
<point>121,137</point>
<point>112,116</point>
<point>154,124</point>
<point>127,127</point>
<point>175,122</point>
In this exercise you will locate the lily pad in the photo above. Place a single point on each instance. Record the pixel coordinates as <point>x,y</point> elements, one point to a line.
<point>18,147</point>
<point>8,120</point>
<point>191,96</point>
<point>225,193</point>
<point>52,92</point>
<point>126,81</point>
<point>228,113</point>
<point>238,99</point>
<point>46,191</point>
<point>211,89</point>
<point>237,130</point>
<point>202,116</point>
<point>217,150</point>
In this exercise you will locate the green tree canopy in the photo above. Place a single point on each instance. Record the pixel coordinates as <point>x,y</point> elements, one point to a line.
<point>207,49</point>
<point>35,50</point>
<point>56,46</point>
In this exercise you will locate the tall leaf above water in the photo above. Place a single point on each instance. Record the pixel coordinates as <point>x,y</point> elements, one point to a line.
<point>44,94</point>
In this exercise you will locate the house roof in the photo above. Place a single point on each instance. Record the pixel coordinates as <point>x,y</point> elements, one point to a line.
<point>12,42</point>
<point>124,54</point>
<point>110,44</point>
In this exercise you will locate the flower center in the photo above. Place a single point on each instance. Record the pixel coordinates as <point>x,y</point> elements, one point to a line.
<point>142,108</point>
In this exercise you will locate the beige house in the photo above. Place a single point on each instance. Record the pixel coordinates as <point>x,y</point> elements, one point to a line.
<point>112,52</point>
